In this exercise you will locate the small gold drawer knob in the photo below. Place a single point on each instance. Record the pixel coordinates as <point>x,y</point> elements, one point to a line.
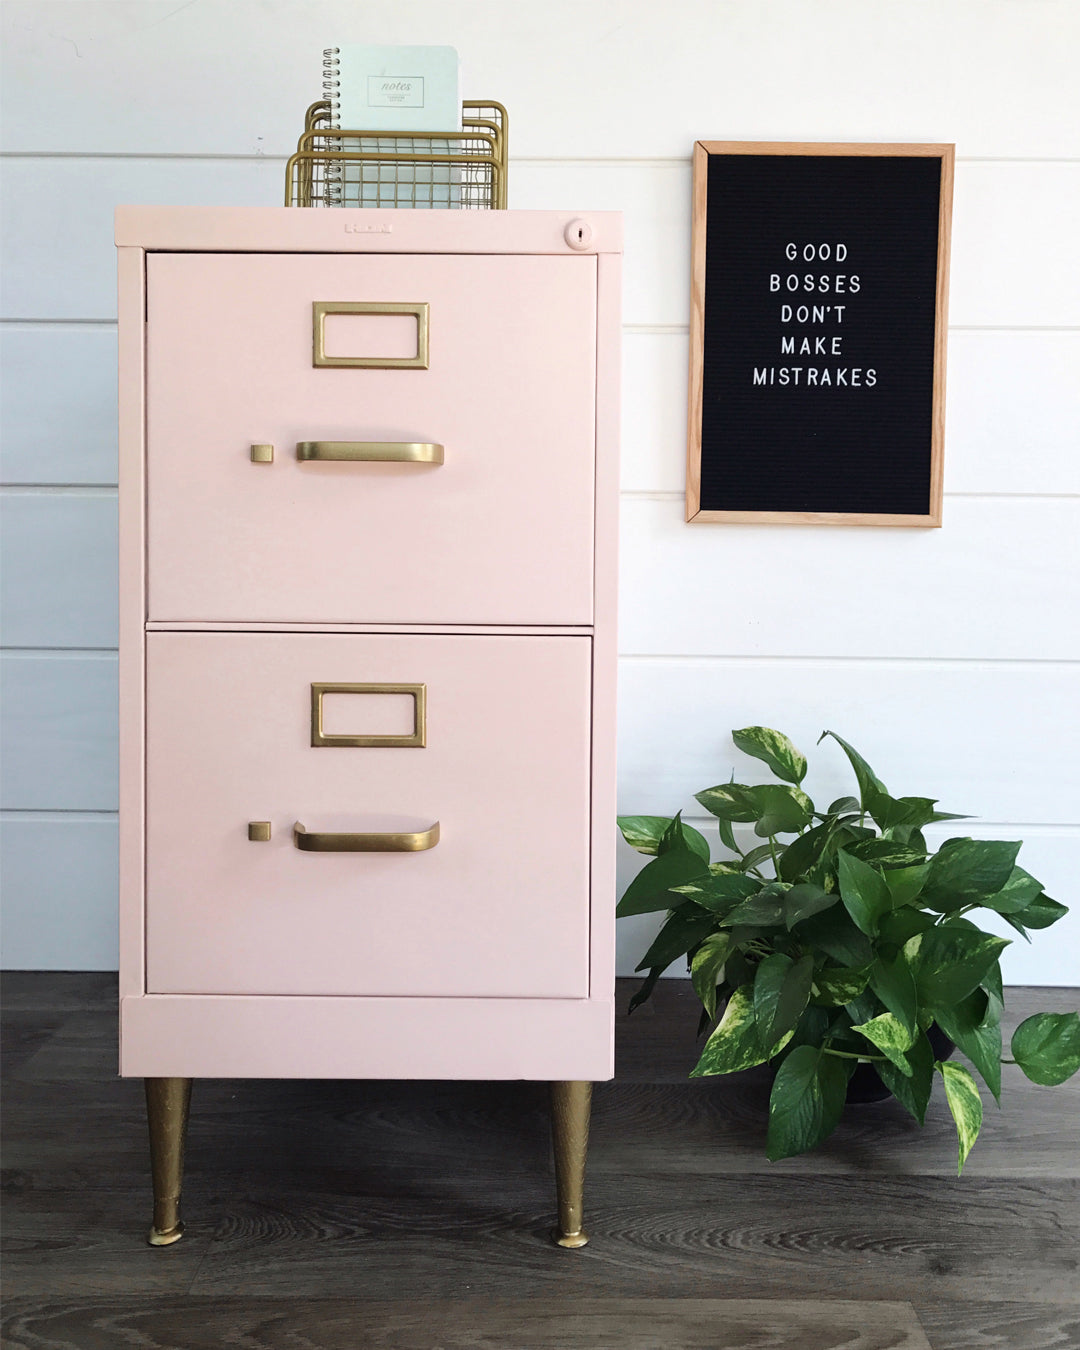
<point>258,831</point>
<point>262,454</point>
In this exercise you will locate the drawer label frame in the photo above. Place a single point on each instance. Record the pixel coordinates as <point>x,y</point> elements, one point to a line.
<point>321,308</point>
<point>417,740</point>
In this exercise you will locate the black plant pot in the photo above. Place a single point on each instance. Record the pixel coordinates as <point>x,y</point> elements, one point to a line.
<point>864,1085</point>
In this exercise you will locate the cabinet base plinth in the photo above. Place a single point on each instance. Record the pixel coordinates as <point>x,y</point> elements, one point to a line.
<point>293,1036</point>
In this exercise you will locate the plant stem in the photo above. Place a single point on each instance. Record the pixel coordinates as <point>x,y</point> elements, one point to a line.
<point>772,850</point>
<point>846,1054</point>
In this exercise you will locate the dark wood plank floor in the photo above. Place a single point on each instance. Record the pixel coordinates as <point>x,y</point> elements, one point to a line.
<point>415,1215</point>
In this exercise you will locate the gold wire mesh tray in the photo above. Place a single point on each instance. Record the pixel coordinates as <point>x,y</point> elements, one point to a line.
<point>463,170</point>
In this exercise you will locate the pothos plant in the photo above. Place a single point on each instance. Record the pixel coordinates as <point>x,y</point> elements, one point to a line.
<point>842,938</point>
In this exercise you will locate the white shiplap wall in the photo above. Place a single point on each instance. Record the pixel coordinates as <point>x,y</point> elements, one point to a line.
<point>950,657</point>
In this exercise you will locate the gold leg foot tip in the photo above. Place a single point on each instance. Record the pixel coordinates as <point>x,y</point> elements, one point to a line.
<point>166,1239</point>
<point>578,1239</point>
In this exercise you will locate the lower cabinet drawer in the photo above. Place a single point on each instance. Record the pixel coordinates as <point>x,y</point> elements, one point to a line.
<point>426,800</point>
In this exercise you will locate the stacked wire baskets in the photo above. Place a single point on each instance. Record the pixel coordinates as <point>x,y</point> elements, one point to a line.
<point>463,170</point>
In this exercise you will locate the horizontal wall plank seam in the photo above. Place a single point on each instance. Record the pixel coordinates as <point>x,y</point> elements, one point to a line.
<point>60,489</point>
<point>544,161</point>
<point>1014,328</point>
<point>36,816</point>
<point>59,815</point>
<point>931,662</point>
<point>1054,826</point>
<point>683,328</point>
<point>677,494</point>
<point>52,652</point>
<point>53,323</point>
<point>633,329</point>
<point>641,494</point>
<point>55,814</point>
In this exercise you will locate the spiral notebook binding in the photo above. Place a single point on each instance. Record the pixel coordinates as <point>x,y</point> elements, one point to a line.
<point>331,84</point>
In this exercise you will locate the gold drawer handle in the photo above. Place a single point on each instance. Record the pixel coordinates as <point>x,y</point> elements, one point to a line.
<point>365,843</point>
<point>395,452</point>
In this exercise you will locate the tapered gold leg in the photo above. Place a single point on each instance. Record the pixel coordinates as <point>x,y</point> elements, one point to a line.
<point>167,1104</point>
<point>571,1104</point>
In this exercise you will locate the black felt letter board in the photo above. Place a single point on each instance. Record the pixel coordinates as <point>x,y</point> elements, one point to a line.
<point>817,337</point>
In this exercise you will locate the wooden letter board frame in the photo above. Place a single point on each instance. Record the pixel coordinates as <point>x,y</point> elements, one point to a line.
<point>702,152</point>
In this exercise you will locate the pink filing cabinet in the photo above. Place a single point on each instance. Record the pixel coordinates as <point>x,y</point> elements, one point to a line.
<point>368,512</point>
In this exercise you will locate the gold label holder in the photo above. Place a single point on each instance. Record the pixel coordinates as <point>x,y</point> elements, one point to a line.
<point>419,311</point>
<point>416,740</point>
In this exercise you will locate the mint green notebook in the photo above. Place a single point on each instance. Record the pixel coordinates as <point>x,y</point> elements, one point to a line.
<point>404,90</point>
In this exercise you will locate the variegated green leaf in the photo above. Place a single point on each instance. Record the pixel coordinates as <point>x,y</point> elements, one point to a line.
<point>834,933</point>
<point>806,1102</point>
<point>707,966</point>
<point>756,856</point>
<point>650,890</point>
<point>912,1087</point>
<point>684,929</point>
<point>727,835</point>
<point>643,832</point>
<point>1047,1047</point>
<point>905,883</point>
<point>886,853</point>
<point>763,910</point>
<point>868,781</point>
<point>1017,893</point>
<point>904,923</point>
<point>735,1045</point>
<point>1041,913</point>
<point>837,985</point>
<point>894,984</point>
<point>730,801</point>
<point>891,1037</point>
<point>782,809</point>
<point>974,1027</point>
<point>889,812</point>
<point>781,991</point>
<point>949,961</point>
<point>808,851</point>
<point>962,1094</point>
<point>774,748</point>
<point>719,891</point>
<point>644,990</point>
<point>968,871</point>
<point>679,835</point>
<point>864,892</point>
<point>805,900</point>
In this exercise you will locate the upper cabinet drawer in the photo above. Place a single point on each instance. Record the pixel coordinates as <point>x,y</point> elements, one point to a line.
<point>432,425</point>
